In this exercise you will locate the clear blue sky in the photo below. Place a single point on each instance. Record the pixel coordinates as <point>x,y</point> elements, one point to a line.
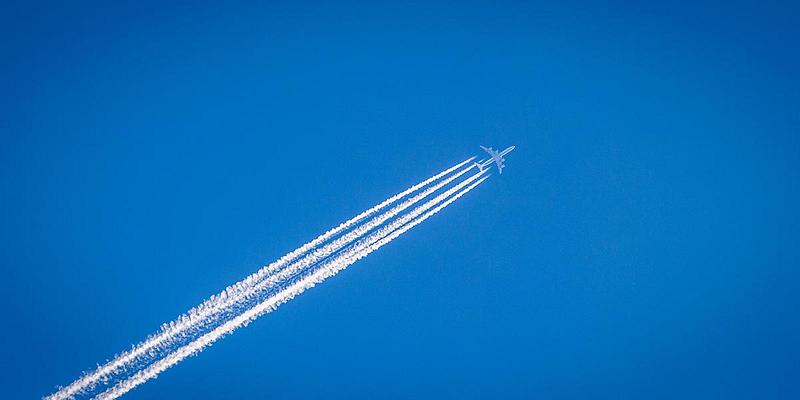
<point>642,243</point>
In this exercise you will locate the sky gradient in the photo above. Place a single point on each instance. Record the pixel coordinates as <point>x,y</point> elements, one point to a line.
<point>641,243</point>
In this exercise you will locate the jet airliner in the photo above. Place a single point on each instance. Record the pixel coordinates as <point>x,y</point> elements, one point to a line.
<point>496,157</point>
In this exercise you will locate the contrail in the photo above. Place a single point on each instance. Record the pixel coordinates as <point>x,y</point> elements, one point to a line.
<point>294,270</point>
<point>330,248</point>
<point>231,304</point>
<point>330,268</point>
<point>244,289</point>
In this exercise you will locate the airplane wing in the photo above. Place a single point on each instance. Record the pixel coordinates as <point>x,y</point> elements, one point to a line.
<point>491,151</point>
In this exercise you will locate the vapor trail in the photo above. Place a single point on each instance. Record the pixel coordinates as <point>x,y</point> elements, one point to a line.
<point>242,289</point>
<point>334,246</point>
<point>232,304</point>
<point>328,269</point>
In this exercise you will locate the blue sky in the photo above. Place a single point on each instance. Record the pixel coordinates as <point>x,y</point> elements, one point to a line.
<point>642,242</point>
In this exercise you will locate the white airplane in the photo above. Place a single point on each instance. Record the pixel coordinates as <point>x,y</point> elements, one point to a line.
<point>497,158</point>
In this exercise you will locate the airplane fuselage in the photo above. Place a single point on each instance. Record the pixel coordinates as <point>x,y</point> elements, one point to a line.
<point>496,157</point>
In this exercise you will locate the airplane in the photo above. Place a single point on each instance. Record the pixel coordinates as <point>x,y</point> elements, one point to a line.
<point>497,158</point>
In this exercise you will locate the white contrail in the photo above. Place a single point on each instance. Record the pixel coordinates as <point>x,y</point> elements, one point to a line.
<point>330,268</point>
<point>334,246</point>
<point>210,315</point>
<point>229,308</point>
<point>230,304</point>
<point>217,302</point>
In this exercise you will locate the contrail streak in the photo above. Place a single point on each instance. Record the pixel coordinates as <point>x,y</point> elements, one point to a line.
<point>330,268</point>
<point>231,305</point>
<point>336,245</point>
<point>293,271</point>
<point>200,314</point>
